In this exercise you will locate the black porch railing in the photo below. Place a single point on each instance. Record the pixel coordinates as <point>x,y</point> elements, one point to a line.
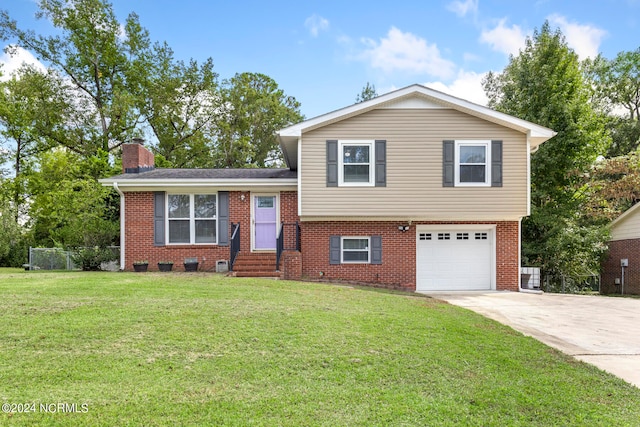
<point>288,240</point>
<point>234,247</point>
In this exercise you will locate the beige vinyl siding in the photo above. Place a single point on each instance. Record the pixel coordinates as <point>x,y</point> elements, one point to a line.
<point>414,169</point>
<point>627,228</point>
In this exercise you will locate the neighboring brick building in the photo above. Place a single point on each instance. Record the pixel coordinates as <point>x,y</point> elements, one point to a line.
<point>414,190</point>
<point>624,248</point>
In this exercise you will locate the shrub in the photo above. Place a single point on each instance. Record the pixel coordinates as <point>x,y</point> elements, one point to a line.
<point>90,259</point>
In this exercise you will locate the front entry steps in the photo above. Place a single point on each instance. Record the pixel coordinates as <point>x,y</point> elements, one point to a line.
<point>252,264</point>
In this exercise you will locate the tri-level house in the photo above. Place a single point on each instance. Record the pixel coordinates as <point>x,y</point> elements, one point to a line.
<point>414,189</point>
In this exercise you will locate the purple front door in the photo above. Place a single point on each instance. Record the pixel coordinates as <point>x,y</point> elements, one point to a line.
<point>265,221</point>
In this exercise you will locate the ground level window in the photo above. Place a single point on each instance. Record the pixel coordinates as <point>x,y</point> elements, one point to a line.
<point>192,218</point>
<point>355,249</point>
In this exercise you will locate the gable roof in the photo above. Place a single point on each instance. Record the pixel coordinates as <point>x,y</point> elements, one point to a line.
<point>628,213</point>
<point>289,136</point>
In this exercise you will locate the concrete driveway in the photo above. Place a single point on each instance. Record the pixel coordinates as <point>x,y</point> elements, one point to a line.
<point>603,331</point>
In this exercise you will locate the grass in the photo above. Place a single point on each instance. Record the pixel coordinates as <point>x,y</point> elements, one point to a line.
<point>193,349</point>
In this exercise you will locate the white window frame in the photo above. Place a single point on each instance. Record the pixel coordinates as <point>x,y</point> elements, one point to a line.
<point>372,155</point>
<point>487,165</point>
<point>343,250</point>
<point>192,218</point>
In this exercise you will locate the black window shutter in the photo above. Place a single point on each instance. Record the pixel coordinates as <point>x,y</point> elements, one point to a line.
<point>376,249</point>
<point>332,163</point>
<point>158,218</point>
<point>496,163</point>
<point>381,163</point>
<point>223,218</point>
<point>334,249</point>
<point>448,163</point>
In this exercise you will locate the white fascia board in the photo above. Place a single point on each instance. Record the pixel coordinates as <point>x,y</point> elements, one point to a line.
<point>159,183</point>
<point>538,133</point>
<point>625,214</point>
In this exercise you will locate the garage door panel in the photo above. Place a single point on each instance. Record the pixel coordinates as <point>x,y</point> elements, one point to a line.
<point>461,262</point>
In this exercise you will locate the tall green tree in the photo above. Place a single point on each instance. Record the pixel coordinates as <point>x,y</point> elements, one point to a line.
<point>181,103</point>
<point>611,187</point>
<point>92,65</point>
<point>11,235</point>
<point>617,93</point>
<point>68,206</point>
<point>29,109</point>
<point>254,107</point>
<point>545,84</point>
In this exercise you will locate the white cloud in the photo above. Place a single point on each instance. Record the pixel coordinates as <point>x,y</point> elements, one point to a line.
<point>406,52</point>
<point>583,39</point>
<point>462,8</point>
<point>467,85</point>
<point>11,63</point>
<point>315,24</point>
<point>508,40</point>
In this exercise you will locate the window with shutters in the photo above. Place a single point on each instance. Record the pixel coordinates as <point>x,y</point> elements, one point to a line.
<point>472,163</point>
<point>191,218</point>
<point>355,163</point>
<point>355,249</point>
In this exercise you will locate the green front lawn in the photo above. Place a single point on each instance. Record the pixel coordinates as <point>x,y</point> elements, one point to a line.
<point>201,349</point>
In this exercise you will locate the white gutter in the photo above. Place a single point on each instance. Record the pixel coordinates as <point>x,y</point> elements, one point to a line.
<point>270,182</point>
<point>122,229</point>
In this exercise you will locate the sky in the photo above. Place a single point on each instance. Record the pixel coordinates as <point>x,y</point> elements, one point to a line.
<point>324,52</point>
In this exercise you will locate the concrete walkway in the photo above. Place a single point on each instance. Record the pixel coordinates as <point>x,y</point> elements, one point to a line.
<point>603,331</point>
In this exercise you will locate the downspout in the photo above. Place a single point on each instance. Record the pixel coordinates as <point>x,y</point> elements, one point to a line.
<point>122,229</point>
<point>299,176</point>
<point>520,255</point>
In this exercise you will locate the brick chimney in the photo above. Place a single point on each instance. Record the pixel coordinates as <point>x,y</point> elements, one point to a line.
<point>136,158</point>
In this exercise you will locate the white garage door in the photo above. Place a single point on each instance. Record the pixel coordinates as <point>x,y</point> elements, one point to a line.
<point>453,260</point>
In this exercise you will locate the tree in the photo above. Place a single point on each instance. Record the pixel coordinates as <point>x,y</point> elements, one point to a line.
<point>69,208</point>
<point>181,103</point>
<point>11,235</point>
<point>92,65</point>
<point>545,84</point>
<point>611,187</point>
<point>368,92</point>
<point>253,109</point>
<point>28,110</point>
<point>617,90</point>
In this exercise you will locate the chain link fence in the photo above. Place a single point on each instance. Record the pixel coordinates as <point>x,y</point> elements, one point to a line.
<point>59,259</point>
<point>567,284</point>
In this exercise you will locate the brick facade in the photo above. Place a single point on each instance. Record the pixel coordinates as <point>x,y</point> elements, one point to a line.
<point>139,239</point>
<point>611,269</point>
<point>398,268</point>
<point>139,231</point>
